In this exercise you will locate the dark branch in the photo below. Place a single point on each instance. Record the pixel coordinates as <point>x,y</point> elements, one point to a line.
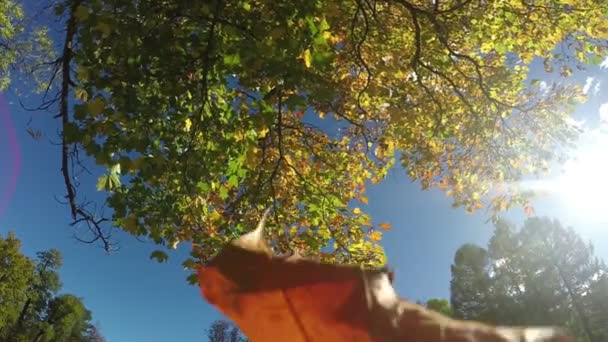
<point>78,212</point>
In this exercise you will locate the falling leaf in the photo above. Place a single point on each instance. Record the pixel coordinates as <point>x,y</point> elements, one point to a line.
<point>529,210</point>
<point>294,299</point>
<point>385,226</point>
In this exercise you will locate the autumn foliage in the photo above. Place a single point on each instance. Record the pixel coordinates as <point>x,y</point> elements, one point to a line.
<point>200,114</point>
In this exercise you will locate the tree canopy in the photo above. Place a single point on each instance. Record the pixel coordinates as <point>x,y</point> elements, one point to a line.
<point>541,274</point>
<point>30,309</point>
<point>440,305</point>
<point>206,113</point>
<point>224,331</point>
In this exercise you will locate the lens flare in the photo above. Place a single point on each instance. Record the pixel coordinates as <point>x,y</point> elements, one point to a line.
<point>583,186</point>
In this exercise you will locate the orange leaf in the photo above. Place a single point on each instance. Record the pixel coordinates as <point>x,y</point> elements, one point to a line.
<point>298,300</point>
<point>385,226</point>
<point>529,210</point>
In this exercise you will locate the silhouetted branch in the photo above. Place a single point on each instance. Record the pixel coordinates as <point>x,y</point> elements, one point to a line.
<point>79,213</point>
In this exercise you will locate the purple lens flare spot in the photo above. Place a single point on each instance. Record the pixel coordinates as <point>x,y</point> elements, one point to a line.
<point>8,140</point>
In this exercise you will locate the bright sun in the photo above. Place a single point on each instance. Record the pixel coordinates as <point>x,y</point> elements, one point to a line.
<point>583,186</point>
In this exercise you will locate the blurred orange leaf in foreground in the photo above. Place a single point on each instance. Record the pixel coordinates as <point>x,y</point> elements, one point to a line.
<point>299,300</point>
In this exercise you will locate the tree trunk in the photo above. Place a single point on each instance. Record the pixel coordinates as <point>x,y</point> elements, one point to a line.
<point>577,306</point>
<point>39,335</point>
<point>19,323</point>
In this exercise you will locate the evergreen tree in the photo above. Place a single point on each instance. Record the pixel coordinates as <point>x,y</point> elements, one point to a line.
<point>542,274</point>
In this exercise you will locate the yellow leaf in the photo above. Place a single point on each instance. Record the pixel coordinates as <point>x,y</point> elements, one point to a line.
<point>357,211</point>
<point>96,106</point>
<point>82,13</point>
<point>385,226</point>
<point>375,236</point>
<point>239,135</point>
<point>307,58</point>
<point>81,94</point>
<point>188,124</point>
<point>215,216</point>
<point>131,223</point>
<point>363,199</point>
<point>251,157</point>
<point>263,131</point>
<point>82,73</point>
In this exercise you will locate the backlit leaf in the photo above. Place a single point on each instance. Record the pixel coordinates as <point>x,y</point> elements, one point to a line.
<point>312,301</point>
<point>307,58</point>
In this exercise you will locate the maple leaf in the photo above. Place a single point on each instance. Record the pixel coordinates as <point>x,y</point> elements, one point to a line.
<point>295,299</point>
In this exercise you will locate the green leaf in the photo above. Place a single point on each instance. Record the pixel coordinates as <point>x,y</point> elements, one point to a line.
<point>192,279</point>
<point>102,183</point>
<point>115,169</point>
<point>104,28</point>
<point>113,181</point>
<point>223,192</point>
<point>71,132</point>
<point>232,60</point>
<point>81,13</point>
<point>160,256</point>
<point>202,187</point>
<point>323,25</point>
<point>233,181</point>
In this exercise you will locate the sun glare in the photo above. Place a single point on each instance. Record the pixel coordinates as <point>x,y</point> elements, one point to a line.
<point>583,185</point>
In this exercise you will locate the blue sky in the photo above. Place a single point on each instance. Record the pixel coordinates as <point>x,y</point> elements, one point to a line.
<point>136,299</point>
